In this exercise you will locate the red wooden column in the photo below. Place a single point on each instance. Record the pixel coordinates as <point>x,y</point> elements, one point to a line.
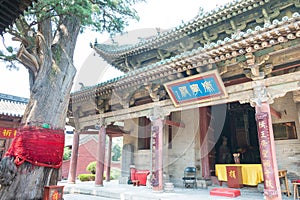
<point>108,159</point>
<point>272,189</point>
<point>203,126</point>
<point>74,158</point>
<point>157,133</point>
<point>100,156</point>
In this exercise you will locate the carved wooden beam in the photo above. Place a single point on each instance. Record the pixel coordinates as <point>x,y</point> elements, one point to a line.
<point>256,67</point>
<point>275,113</point>
<point>86,132</point>
<point>172,123</point>
<point>276,86</point>
<point>111,131</point>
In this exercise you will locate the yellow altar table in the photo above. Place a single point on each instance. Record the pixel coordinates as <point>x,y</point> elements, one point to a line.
<point>252,174</point>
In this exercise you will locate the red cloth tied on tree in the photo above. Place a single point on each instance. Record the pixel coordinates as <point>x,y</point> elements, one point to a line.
<point>39,146</point>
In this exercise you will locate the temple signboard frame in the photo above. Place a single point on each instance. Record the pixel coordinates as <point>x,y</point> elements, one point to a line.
<point>195,89</point>
<point>7,132</point>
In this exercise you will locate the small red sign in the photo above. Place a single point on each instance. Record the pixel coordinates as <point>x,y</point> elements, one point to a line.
<point>7,132</point>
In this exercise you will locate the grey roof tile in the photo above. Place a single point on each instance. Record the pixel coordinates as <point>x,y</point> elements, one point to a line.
<point>12,105</point>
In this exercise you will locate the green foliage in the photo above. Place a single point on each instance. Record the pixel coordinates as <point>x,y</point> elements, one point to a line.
<point>10,49</point>
<point>116,153</point>
<point>91,167</point>
<point>86,177</point>
<point>115,174</point>
<point>99,15</point>
<point>67,153</point>
<point>110,16</point>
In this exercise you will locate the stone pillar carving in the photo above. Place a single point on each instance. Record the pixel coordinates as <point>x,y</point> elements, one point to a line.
<point>100,153</point>
<point>260,94</point>
<point>74,158</point>
<point>127,161</point>
<point>108,159</point>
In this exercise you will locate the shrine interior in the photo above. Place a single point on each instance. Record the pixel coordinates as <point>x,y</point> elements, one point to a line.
<point>238,136</point>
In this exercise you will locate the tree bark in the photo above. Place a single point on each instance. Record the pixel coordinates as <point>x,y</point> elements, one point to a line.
<point>50,91</point>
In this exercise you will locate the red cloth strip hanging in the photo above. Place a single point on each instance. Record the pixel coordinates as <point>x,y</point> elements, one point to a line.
<point>39,146</point>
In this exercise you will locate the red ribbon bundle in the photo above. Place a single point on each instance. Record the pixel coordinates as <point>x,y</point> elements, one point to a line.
<point>39,146</point>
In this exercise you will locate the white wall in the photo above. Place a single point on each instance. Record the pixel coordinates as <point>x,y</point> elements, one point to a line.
<point>185,142</point>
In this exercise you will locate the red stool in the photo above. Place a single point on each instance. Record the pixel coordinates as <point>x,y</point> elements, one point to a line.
<point>136,183</point>
<point>296,184</point>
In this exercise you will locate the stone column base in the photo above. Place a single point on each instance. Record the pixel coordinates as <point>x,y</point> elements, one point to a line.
<point>203,183</point>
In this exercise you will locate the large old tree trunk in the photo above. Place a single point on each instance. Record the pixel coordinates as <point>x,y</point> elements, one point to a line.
<point>50,64</point>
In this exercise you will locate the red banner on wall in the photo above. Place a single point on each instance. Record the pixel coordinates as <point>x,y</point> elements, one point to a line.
<point>7,132</point>
<point>266,154</point>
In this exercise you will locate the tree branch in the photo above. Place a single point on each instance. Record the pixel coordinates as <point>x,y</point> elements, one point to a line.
<point>27,59</point>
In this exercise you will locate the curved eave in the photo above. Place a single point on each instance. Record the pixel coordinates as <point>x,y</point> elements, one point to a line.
<point>11,108</point>
<point>251,41</point>
<point>213,17</point>
<point>10,10</point>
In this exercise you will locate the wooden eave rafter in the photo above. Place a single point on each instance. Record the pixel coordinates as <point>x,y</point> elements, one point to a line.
<point>10,117</point>
<point>176,124</point>
<point>257,40</point>
<point>111,131</point>
<point>277,86</point>
<point>10,10</point>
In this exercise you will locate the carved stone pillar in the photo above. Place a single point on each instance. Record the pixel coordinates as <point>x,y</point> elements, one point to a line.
<point>100,154</point>
<point>108,159</point>
<point>74,158</point>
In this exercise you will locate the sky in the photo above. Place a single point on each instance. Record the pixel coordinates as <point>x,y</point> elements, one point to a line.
<point>91,69</point>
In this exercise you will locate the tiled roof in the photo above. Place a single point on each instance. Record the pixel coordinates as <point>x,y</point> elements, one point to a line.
<point>10,10</point>
<point>269,35</point>
<point>12,105</point>
<point>229,22</point>
<point>200,22</point>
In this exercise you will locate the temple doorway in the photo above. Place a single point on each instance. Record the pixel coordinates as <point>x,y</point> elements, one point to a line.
<point>239,136</point>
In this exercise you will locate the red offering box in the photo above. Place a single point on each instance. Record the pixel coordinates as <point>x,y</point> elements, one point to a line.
<point>234,176</point>
<point>225,192</point>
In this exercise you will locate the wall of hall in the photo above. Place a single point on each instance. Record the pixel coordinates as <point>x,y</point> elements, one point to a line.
<point>141,158</point>
<point>185,146</point>
<point>183,152</point>
<point>288,150</point>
